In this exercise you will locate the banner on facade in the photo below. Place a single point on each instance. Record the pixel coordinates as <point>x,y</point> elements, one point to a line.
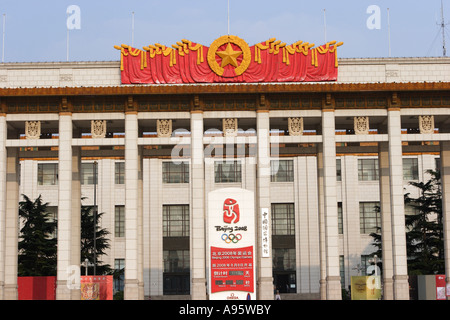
<point>229,59</point>
<point>231,239</point>
<point>36,288</point>
<point>96,287</point>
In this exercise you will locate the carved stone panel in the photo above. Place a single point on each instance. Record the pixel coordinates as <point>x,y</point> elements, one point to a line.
<point>98,128</point>
<point>164,128</point>
<point>295,126</point>
<point>361,125</point>
<point>426,124</point>
<point>230,127</point>
<point>32,129</point>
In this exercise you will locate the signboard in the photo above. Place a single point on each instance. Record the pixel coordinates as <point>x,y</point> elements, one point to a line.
<point>366,288</point>
<point>231,238</point>
<point>441,287</point>
<point>96,287</point>
<point>265,233</point>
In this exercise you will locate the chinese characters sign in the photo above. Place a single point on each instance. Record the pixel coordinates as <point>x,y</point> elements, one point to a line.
<point>232,269</point>
<point>265,233</point>
<point>231,237</point>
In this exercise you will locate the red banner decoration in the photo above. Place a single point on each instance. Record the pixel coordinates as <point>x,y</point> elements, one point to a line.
<point>229,59</point>
<point>232,269</point>
<point>36,288</point>
<point>96,287</point>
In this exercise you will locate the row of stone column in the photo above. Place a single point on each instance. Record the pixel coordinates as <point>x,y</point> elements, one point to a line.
<point>391,186</point>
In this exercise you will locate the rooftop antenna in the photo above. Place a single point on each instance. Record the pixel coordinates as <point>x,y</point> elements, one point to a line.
<point>389,31</point>
<point>3,45</point>
<point>132,29</point>
<point>444,49</point>
<point>228,17</point>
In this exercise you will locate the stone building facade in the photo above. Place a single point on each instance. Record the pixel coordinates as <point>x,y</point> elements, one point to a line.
<point>320,155</point>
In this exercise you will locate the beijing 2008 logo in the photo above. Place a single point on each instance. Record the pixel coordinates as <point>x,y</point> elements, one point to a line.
<point>230,211</point>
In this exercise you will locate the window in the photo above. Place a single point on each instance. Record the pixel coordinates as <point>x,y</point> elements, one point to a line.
<point>47,174</point>
<point>338,170</point>
<point>281,170</point>
<point>176,260</point>
<point>119,268</point>
<point>367,169</point>
<point>119,175</point>
<point>369,217</point>
<point>437,164</point>
<point>342,270</point>
<point>119,221</point>
<point>284,265</point>
<point>283,219</point>
<point>410,169</point>
<point>227,171</point>
<point>283,259</point>
<point>340,219</point>
<point>175,220</point>
<point>53,217</point>
<point>174,172</point>
<point>176,275</point>
<point>87,173</point>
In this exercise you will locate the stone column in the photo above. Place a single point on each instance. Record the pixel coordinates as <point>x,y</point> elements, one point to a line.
<point>76,216</point>
<point>330,206</point>
<point>3,157</point>
<point>445,181</point>
<point>401,286</point>
<point>64,254</point>
<point>198,211</point>
<point>386,231</point>
<point>132,209</point>
<point>11,224</point>
<point>263,265</point>
<point>322,248</point>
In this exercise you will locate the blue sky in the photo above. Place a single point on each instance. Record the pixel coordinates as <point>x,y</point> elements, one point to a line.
<point>36,30</point>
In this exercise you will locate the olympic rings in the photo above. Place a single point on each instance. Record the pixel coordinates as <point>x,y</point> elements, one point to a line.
<point>228,238</point>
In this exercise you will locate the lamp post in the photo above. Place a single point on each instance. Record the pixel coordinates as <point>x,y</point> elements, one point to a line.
<point>95,218</point>
<point>86,264</point>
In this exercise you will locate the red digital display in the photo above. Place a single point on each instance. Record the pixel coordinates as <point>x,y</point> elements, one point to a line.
<point>232,269</point>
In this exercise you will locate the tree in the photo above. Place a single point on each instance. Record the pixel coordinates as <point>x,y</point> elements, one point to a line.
<point>424,236</point>
<point>87,241</point>
<point>37,243</point>
<point>424,229</point>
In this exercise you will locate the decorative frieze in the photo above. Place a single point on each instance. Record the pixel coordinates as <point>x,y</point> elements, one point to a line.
<point>98,128</point>
<point>426,124</point>
<point>32,129</point>
<point>164,128</point>
<point>361,125</point>
<point>230,127</point>
<point>295,126</point>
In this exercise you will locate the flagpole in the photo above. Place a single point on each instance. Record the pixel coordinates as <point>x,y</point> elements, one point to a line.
<point>132,29</point>
<point>389,32</point>
<point>3,45</point>
<point>228,17</point>
<point>67,45</point>
<point>67,39</point>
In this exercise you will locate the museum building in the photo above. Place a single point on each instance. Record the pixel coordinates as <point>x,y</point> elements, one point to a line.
<point>227,171</point>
